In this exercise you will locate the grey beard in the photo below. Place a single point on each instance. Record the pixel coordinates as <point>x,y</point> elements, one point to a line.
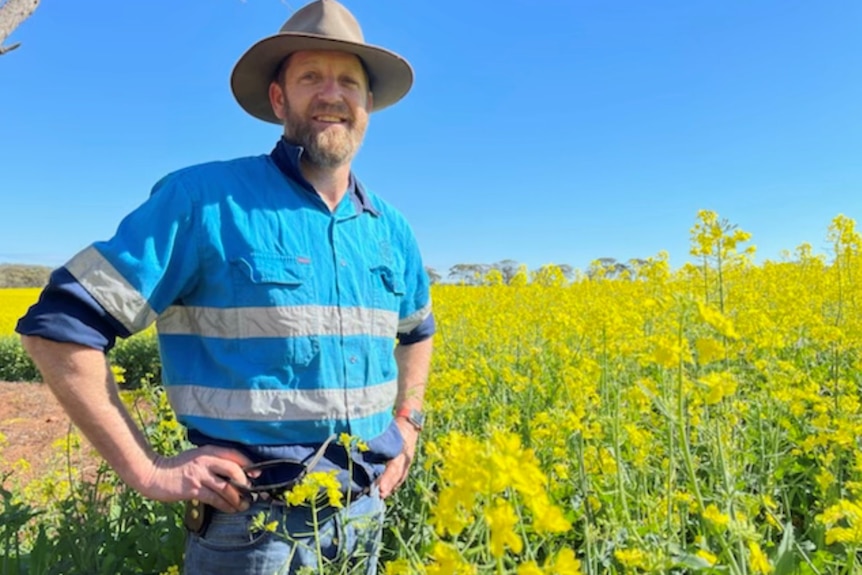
<point>326,154</point>
<point>323,151</point>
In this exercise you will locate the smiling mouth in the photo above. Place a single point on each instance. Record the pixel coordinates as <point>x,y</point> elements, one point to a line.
<point>326,119</point>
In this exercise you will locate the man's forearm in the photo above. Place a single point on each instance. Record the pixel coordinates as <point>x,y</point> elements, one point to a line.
<point>80,379</point>
<point>414,363</point>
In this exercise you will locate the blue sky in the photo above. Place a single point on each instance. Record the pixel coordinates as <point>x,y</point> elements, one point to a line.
<point>544,131</point>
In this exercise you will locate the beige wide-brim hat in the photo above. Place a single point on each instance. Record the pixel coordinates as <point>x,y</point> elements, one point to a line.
<point>321,25</point>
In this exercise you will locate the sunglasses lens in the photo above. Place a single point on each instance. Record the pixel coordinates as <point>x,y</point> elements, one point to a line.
<point>277,476</point>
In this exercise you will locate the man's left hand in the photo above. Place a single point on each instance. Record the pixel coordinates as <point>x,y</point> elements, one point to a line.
<point>399,466</point>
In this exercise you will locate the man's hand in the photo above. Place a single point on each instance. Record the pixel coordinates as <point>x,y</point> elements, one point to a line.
<point>398,467</point>
<point>201,473</point>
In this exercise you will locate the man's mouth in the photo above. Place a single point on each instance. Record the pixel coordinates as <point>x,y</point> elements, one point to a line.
<point>326,119</point>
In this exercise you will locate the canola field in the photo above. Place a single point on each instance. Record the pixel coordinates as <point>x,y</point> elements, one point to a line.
<point>699,420</point>
<point>13,304</point>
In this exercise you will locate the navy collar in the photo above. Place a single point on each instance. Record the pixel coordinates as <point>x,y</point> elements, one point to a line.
<point>286,156</point>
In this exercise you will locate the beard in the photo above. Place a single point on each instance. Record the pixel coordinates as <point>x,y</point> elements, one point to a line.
<point>331,146</point>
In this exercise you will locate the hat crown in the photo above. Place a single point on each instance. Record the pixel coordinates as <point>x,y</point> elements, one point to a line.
<point>325,18</point>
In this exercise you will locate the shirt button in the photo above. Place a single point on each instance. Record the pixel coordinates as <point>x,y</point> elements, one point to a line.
<point>343,263</point>
<point>352,359</point>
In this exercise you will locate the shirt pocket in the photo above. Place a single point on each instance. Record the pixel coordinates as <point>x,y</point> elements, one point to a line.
<point>387,286</point>
<point>279,323</point>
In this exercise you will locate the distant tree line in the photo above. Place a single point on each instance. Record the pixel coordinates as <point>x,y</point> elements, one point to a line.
<point>511,272</point>
<point>22,276</point>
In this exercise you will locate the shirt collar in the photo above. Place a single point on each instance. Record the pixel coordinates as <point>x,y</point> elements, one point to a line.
<point>286,156</point>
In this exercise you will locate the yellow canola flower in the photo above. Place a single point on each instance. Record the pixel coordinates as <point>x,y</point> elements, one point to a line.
<point>564,564</point>
<point>669,351</point>
<point>119,373</point>
<point>718,321</point>
<point>398,567</point>
<point>708,350</point>
<point>757,560</point>
<point>312,484</point>
<point>718,386</point>
<point>716,517</point>
<point>631,558</point>
<point>346,440</point>
<point>707,556</point>
<point>448,561</point>
<point>849,515</point>
<point>547,517</point>
<point>529,568</point>
<point>501,518</point>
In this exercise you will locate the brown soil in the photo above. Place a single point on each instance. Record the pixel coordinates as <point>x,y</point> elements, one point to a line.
<point>32,422</point>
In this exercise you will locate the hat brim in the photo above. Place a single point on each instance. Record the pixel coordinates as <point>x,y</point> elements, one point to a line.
<point>391,76</point>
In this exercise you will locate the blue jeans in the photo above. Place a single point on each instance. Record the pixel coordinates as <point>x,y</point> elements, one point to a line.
<point>349,535</point>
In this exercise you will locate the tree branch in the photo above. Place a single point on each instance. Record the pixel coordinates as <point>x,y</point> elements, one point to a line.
<point>12,13</point>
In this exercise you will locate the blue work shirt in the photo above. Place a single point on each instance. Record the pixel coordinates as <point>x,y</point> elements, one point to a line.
<point>276,317</point>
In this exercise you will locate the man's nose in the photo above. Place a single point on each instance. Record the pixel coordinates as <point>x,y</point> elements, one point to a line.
<point>330,90</point>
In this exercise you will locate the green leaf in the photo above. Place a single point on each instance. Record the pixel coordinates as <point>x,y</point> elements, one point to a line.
<point>785,558</point>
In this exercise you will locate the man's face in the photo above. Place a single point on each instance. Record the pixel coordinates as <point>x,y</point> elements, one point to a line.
<point>323,101</point>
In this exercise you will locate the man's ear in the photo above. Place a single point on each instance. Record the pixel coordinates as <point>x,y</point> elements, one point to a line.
<point>276,100</point>
<point>369,102</point>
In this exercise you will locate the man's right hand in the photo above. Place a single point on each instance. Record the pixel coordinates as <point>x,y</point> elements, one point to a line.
<point>201,473</point>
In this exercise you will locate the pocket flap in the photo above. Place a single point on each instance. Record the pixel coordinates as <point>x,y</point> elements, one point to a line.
<point>264,268</point>
<point>393,281</point>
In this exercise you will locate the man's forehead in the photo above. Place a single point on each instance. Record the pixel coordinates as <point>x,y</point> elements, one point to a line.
<point>321,57</point>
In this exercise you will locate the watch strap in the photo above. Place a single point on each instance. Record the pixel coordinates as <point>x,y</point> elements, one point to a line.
<point>413,416</point>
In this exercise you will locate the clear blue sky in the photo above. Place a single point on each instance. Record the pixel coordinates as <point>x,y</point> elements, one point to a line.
<point>537,130</point>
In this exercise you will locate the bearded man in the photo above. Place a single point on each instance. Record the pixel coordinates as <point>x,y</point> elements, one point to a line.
<point>280,286</point>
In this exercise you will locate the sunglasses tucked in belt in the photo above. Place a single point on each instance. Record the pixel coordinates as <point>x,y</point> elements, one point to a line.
<point>198,515</point>
<point>293,472</point>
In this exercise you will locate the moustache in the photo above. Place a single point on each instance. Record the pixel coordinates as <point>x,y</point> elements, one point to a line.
<point>323,109</point>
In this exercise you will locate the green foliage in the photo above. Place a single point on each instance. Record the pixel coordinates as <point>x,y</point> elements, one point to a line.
<point>138,356</point>
<point>15,364</point>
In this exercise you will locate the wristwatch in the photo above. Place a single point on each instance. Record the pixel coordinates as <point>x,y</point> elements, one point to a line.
<point>413,416</point>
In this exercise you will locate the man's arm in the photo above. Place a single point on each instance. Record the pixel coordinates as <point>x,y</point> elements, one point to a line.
<point>414,363</point>
<point>80,379</point>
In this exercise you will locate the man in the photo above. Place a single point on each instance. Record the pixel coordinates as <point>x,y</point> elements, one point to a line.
<point>279,285</point>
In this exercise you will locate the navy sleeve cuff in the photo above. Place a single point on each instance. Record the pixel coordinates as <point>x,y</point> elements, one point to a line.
<point>67,313</point>
<point>420,333</point>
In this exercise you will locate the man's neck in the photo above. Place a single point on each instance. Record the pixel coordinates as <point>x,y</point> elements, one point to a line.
<point>330,183</point>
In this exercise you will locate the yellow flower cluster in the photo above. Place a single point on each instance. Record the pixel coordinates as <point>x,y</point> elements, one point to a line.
<point>475,473</point>
<point>312,485</point>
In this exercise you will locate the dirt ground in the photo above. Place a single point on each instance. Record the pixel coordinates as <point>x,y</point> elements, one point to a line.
<point>31,421</point>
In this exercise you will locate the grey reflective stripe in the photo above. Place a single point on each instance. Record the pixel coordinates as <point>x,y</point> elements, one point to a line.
<point>277,322</point>
<point>282,404</point>
<point>414,320</point>
<point>108,287</point>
